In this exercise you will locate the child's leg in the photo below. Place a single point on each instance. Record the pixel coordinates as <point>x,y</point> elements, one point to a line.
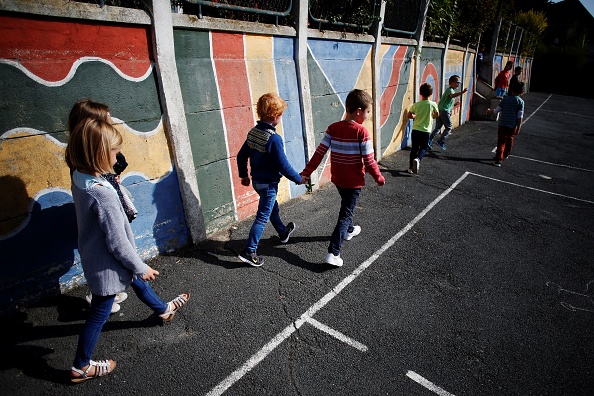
<point>275,219</point>
<point>267,192</point>
<point>98,315</point>
<point>424,145</point>
<point>446,119</point>
<point>502,134</point>
<point>147,295</point>
<point>348,202</point>
<point>438,125</point>
<point>415,138</point>
<point>509,144</point>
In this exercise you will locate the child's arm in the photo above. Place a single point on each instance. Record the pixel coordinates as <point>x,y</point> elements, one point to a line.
<point>111,221</point>
<point>456,94</point>
<point>278,155</point>
<point>369,162</point>
<point>411,116</point>
<point>242,160</point>
<point>318,156</point>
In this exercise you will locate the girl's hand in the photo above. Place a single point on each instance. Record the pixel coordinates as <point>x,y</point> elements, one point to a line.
<point>150,274</point>
<point>245,181</point>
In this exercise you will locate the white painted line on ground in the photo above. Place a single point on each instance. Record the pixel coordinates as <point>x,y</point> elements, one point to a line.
<point>527,118</point>
<point>321,303</point>
<point>538,108</point>
<point>532,188</point>
<point>427,384</point>
<point>552,163</point>
<point>338,335</point>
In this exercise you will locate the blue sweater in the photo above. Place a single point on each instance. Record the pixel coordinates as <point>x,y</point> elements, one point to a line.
<point>268,162</point>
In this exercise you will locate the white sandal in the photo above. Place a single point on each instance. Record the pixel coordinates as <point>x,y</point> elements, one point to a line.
<point>173,306</point>
<point>102,367</point>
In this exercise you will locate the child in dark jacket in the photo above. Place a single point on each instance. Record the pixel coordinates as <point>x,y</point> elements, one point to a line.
<point>268,163</point>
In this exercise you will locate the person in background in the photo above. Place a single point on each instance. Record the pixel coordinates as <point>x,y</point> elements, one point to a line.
<point>502,80</point>
<point>445,106</point>
<point>422,112</point>
<point>511,109</point>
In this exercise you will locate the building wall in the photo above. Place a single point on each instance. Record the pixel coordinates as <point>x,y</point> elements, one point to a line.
<point>46,64</point>
<point>50,59</point>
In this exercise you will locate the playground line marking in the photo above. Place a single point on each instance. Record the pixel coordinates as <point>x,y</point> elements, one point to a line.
<point>427,384</point>
<point>306,317</point>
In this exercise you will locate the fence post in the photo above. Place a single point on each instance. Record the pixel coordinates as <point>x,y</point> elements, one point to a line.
<point>301,14</point>
<point>175,117</point>
<point>419,37</point>
<point>376,87</point>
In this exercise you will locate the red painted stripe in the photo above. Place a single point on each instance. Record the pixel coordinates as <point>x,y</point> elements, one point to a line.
<point>234,91</point>
<point>49,48</point>
<point>390,91</point>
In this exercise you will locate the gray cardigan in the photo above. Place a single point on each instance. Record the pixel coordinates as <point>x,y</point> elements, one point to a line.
<point>105,241</point>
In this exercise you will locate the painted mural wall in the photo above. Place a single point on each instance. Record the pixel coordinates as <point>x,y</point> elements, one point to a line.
<point>47,63</point>
<point>45,66</point>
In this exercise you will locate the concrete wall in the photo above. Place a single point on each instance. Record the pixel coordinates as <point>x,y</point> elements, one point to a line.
<point>53,53</point>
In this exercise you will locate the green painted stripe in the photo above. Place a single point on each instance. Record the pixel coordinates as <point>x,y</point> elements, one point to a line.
<point>26,103</point>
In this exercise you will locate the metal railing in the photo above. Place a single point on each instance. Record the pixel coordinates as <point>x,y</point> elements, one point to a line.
<point>403,17</point>
<point>274,8</point>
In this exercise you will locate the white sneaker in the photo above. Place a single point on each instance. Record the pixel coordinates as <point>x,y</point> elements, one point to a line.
<point>416,165</point>
<point>116,302</point>
<point>333,260</point>
<point>350,235</point>
<point>119,298</point>
<point>409,171</point>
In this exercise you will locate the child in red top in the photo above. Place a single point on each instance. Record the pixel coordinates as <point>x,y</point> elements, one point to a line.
<point>502,80</point>
<point>351,155</point>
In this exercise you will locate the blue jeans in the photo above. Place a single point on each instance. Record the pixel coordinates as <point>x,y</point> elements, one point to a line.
<point>99,313</point>
<point>267,210</point>
<point>500,92</point>
<point>444,120</point>
<point>420,144</point>
<point>348,202</point>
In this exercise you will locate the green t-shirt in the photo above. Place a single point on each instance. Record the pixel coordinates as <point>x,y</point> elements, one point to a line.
<point>446,103</point>
<point>423,110</point>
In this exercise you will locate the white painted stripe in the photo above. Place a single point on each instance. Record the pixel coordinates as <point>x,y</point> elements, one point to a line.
<point>338,335</point>
<point>554,164</point>
<point>73,69</point>
<point>532,188</point>
<point>538,108</point>
<point>321,303</point>
<point>427,384</point>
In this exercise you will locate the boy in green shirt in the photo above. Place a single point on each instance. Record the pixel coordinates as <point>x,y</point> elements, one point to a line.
<point>445,105</point>
<point>422,113</point>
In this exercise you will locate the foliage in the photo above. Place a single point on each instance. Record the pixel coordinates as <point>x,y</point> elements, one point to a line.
<point>359,13</point>
<point>534,24</point>
<point>463,20</point>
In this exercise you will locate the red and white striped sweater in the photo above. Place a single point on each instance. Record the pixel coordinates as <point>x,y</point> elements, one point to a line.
<point>351,155</point>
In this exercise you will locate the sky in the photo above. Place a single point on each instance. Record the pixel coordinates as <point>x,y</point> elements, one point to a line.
<point>589,4</point>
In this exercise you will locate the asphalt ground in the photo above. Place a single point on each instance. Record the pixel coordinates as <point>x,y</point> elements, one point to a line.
<point>467,279</point>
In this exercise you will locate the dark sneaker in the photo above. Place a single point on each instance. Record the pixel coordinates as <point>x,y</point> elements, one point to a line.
<point>497,163</point>
<point>430,144</point>
<point>441,145</point>
<point>251,258</point>
<point>289,228</point>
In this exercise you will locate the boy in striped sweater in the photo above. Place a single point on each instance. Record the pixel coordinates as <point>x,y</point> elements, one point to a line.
<point>351,155</point>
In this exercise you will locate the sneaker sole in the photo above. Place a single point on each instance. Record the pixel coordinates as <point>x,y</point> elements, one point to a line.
<point>289,236</point>
<point>250,262</point>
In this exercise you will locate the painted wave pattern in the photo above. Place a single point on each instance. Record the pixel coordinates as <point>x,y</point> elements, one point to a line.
<point>31,158</point>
